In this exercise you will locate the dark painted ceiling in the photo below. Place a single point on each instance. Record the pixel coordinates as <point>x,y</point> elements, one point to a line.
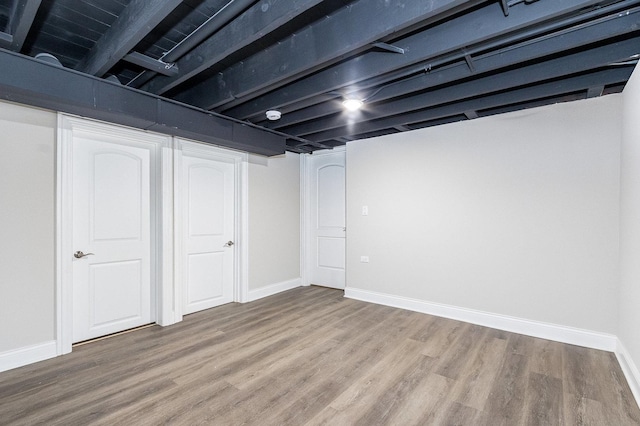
<point>414,63</point>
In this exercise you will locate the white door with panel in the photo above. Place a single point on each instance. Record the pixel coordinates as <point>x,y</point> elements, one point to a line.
<point>326,228</point>
<point>207,187</point>
<point>111,235</point>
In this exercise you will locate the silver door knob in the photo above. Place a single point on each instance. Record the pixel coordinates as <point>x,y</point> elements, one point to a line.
<point>229,243</point>
<point>80,255</point>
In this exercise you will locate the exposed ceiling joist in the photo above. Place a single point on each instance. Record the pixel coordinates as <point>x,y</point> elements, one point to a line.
<point>607,27</point>
<point>529,93</point>
<point>349,30</point>
<point>195,39</point>
<point>478,26</point>
<point>547,70</point>
<point>237,35</point>
<point>22,15</point>
<point>415,64</point>
<point>137,20</point>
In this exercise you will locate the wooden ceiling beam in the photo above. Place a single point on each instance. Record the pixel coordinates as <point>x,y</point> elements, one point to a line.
<point>133,24</point>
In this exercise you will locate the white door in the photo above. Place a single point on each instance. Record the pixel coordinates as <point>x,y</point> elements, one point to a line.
<point>207,189</point>
<point>112,227</point>
<point>326,180</point>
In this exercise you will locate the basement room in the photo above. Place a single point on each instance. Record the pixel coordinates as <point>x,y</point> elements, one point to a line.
<point>320,212</point>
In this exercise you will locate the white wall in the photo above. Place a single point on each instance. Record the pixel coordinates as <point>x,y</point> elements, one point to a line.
<point>27,229</point>
<point>27,143</point>
<point>274,221</point>
<point>629,327</point>
<point>515,214</point>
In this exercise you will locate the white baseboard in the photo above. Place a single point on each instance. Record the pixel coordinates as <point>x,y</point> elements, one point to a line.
<point>27,355</point>
<point>272,289</point>
<point>559,333</point>
<point>630,370</point>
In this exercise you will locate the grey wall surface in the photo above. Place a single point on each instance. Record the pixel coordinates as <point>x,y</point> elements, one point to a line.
<point>274,220</point>
<point>514,214</point>
<point>629,326</point>
<point>27,227</point>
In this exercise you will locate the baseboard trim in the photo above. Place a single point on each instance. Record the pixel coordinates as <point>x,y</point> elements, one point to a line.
<point>27,355</point>
<point>573,336</point>
<point>630,370</point>
<point>272,289</point>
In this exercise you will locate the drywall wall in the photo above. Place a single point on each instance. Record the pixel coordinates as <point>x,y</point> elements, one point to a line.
<point>629,326</point>
<point>27,227</point>
<point>515,214</point>
<point>274,220</point>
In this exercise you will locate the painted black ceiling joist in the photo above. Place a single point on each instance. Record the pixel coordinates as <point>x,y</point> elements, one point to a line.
<point>608,27</point>
<point>529,93</point>
<point>137,20</point>
<point>199,36</point>
<point>554,68</point>
<point>237,35</point>
<point>486,24</point>
<point>22,15</point>
<point>353,28</point>
<point>72,92</point>
<point>452,60</point>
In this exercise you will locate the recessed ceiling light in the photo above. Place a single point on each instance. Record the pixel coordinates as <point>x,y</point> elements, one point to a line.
<point>352,104</point>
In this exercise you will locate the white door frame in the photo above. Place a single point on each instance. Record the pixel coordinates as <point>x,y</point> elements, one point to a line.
<point>161,255</point>
<point>305,211</point>
<point>166,153</point>
<point>240,265</point>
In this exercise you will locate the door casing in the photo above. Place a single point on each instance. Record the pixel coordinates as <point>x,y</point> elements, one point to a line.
<point>117,232</point>
<point>168,294</point>
<point>306,213</point>
<point>240,267</point>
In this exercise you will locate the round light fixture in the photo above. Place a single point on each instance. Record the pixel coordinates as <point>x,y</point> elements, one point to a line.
<point>352,104</point>
<point>273,115</point>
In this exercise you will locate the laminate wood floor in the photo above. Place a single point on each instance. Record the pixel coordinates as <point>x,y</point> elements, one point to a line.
<point>311,357</point>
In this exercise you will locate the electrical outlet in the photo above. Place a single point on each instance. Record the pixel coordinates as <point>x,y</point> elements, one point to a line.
<point>364,259</point>
<point>365,210</point>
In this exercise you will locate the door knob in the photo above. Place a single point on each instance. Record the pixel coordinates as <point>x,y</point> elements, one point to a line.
<point>80,255</point>
<point>229,243</point>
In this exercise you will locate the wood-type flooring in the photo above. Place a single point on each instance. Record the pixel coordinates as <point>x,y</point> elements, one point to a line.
<point>309,356</point>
